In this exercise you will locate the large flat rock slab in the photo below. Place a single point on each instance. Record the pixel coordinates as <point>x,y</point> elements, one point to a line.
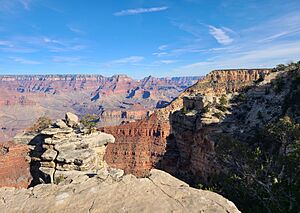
<point>160,192</point>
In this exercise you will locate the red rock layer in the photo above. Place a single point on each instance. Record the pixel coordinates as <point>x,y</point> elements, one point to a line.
<point>14,168</point>
<point>138,146</point>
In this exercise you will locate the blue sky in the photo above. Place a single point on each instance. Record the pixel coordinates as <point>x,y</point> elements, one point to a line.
<point>146,37</point>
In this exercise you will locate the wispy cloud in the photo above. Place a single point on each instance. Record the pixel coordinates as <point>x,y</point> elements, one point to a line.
<point>26,4</point>
<point>25,61</point>
<point>265,56</point>
<point>65,59</point>
<point>162,47</point>
<point>220,35</point>
<point>75,30</point>
<point>140,10</point>
<point>10,6</point>
<point>132,60</point>
<point>160,54</point>
<point>167,61</point>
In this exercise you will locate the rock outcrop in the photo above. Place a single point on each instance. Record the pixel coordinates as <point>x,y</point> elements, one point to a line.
<point>63,149</point>
<point>14,165</point>
<point>108,192</point>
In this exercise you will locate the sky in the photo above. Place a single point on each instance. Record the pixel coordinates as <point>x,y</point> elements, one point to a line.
<point>146,37</point>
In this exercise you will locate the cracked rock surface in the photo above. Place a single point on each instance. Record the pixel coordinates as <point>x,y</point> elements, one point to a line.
<point>110,191</point>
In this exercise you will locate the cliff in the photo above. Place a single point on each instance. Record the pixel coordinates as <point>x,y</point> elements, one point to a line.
<point>138,146</point>
<point>180,142</point>
<point>106,192</point>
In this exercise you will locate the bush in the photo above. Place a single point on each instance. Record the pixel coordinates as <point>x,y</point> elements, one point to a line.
<point>89,121</point>
<point>241,97</point>
<point>42,123</point>
<point>223,100</point>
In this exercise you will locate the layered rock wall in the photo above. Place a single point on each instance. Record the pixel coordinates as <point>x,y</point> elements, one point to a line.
<point>138,146</point>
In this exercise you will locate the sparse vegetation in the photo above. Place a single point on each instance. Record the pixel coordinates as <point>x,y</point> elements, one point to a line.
<point>184,110</point>
<point>42,123</point>
<point>59,179</point>
<point>89,121</point>
<point>262,173</point>
<point>223,100</point>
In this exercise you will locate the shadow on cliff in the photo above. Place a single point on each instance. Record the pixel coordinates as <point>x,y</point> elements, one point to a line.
<point>35,164</point>
<point>190,151</point>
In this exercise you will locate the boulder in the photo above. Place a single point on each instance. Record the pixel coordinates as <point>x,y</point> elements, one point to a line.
<point>72,120</point>
<point>61,124</point>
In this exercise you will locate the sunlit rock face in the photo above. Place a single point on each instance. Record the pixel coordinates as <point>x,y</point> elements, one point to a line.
<point>14,165</point>
<point>138,146</point>
<point>111,191</point>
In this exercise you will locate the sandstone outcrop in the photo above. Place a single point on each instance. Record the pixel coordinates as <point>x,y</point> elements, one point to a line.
<point>139,145</point>
<point>160,192</point>
<point>14,166</point>
<point>64,148</point>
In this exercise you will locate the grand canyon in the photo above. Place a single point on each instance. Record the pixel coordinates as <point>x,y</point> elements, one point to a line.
<point>116,99</point>
<point>149,106</point>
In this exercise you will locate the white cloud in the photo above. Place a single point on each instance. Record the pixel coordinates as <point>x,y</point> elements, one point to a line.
<point>220,35</point>
<point>140,10</point>
<point>24,61</point>
<point>167,61</point>
<point>266,56</point>
<point>5,43</point>
<point>127,60</point>
<point>26,4</point>
<point>75,29</point>
<point>162,47</point>
<point>159,54</point>
<point>65,59</point>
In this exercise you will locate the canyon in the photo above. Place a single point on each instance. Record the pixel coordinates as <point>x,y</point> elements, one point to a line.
<point>23,99</point>
<point>69,171</point>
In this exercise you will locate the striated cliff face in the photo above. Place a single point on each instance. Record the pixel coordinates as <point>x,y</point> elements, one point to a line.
<point>114,99</point>
<point>217,83</point>
<point>138,146</point>
<point>14,166</point>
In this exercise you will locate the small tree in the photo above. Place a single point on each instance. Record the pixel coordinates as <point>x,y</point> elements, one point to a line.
<point>223,100</point>
<point>42,123</point>
<point>90,121</point>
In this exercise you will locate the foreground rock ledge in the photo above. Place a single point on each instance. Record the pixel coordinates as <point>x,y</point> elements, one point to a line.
<point>160,192</point>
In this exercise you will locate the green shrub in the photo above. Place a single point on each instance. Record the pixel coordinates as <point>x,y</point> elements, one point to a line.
<point>89,121</point>
<point>223,101</point>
